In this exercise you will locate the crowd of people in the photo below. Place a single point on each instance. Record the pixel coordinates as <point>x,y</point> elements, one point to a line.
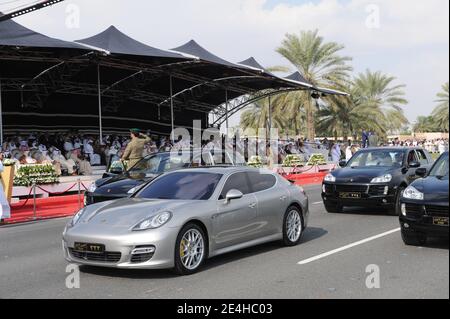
<point>75,154</point>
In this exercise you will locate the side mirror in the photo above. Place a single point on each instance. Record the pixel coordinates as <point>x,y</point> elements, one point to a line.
<point>414,165</point>
<point>421,172</point>
<point>232,195</point>
<point>342,163</point>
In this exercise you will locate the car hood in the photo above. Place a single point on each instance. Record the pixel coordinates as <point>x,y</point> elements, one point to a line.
<point>119,185</point>
<point>359,175</point>
<point>434,189</point>
<point>125,213</point>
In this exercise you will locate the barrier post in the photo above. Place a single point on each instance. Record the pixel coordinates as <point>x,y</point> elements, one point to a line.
<point>34,201</point>
<point>79,192</point>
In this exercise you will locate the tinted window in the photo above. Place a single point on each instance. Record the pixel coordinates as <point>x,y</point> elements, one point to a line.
<point>440,169</point>
<point>200,160</point>
<point>261,182</point>
<point>379,157</point>
<point>422,157</point>
<point>183,186</point>
<point>412,157</point>
<point>156,164</point>
<point>237,181</point>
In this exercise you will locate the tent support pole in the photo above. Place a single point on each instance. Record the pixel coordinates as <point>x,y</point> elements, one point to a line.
<point>270,118</point>
<point>171,110</point>
<point>99,104</point>
<point>226,108</point>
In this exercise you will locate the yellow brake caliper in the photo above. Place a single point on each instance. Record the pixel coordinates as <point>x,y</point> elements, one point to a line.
<point>182,247</point>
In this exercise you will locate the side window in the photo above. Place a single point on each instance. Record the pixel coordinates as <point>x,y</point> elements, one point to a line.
<point>422,157</point>
<point>261,182</point>
<point>237,181</point>
<point>201,160</point>
<point>412,157</point>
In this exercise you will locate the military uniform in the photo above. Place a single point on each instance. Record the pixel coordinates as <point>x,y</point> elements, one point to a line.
<point>135,150</point>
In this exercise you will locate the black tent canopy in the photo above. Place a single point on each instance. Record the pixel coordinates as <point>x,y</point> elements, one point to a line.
<point>132,83</point>
<point>16,35</point>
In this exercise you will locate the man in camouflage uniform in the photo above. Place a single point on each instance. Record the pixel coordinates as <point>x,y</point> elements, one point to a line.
<point>135,149</point>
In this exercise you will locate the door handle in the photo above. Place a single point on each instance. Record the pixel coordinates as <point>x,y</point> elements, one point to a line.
<point>283,197</point>
<point>252,205</point>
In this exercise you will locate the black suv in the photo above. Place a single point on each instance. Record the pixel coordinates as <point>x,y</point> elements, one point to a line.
<point>373,177</point>
<point>424,205</point>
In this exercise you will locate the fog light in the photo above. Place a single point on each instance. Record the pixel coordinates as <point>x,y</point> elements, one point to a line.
<point>386,190</point>
<point>323,189</point>
<point>405,225</point>
<point>384,201</point>
<point>403,209</point>
<point>143,250</point>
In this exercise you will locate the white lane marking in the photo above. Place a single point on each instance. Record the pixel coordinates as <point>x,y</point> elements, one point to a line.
<point>309,260</point>
<point>317,203</point>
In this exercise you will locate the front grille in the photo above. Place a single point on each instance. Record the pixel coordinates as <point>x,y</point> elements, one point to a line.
<point>352,188</point>
<point>414,210</point>
<point>100,199</point>
<point>141,258</point>
<point>109,257</point>
<point>377,190</point>
<point>437,211</point>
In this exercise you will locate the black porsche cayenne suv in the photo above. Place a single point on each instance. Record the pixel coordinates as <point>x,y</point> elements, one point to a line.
<point>373,177</point>
<point>424,205</point>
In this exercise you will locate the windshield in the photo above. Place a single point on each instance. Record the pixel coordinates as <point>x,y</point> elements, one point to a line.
<point>377,158</point>
<point>156,164</point>
<point>182,186</point>
<point>440,169</point>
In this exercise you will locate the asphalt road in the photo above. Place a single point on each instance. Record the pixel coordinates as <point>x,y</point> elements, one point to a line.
<point>32,265</point>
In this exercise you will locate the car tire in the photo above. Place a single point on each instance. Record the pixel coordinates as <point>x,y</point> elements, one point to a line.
<point>333,209</point>
<point>396,210</point>
<point>413,239</point>
<point>187,265</point>
<point>293,226</point>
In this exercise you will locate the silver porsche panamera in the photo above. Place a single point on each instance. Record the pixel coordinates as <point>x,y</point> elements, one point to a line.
<point>184,217</point>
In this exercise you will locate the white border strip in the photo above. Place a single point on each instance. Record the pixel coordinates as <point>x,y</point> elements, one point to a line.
<point>332,252</point>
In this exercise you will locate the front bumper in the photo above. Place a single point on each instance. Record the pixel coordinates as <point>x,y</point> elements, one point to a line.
<point>93,198</point>
<point>119,248</point>
<point>420,218</point>
<point>369,194</point>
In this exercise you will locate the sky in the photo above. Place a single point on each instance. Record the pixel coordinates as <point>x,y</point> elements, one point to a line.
<point>408,39</point>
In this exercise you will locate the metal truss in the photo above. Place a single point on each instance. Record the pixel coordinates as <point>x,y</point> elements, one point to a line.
<point>222,112</point>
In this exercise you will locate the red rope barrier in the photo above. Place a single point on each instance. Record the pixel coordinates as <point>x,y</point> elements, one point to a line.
<point>26,201</point>
<point>60,193</point>
<point>84,186</point>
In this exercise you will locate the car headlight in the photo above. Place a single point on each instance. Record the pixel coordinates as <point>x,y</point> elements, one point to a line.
<point>153,222</point>
<point>76,218</point>
<point>412,193</point>
<point>92,188</point>
<point>382,179</point>
<point>132,191</point>
<point>330,178</point>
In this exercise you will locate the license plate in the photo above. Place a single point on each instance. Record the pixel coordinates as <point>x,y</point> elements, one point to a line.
<point>90,248</point>
<point>350,195</point>
<point>440,221</point>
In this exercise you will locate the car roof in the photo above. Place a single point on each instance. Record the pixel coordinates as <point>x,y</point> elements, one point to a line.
<point>224,170</point>
<point>399,148</point>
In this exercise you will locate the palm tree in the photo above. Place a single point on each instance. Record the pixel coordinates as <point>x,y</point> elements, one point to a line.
<point>374,104</point>
<point>378,94</point>
<point>319,62</point>
<point>424,124</point>
<point>256,116</point>
<point>440,113</point>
